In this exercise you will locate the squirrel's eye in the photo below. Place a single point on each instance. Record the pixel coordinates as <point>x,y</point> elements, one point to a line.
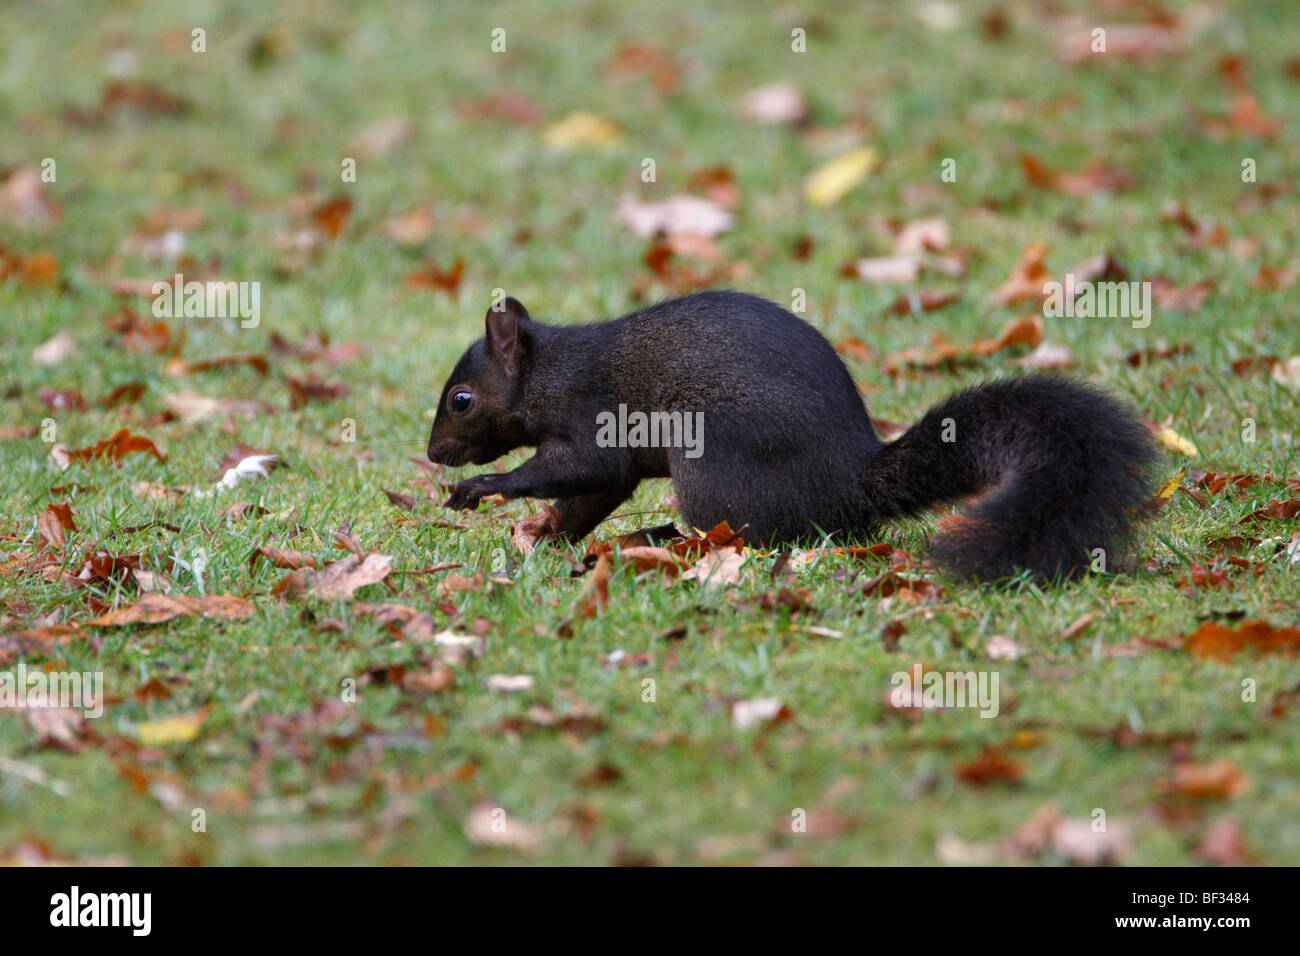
<point>461,400</point>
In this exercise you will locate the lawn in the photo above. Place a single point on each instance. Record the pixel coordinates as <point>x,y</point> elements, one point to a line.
<point>376,727</point>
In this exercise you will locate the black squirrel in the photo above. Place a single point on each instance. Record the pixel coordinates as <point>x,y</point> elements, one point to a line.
<point>787,451</point>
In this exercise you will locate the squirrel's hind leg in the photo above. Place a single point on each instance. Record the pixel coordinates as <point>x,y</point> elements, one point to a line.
<point>580,514</point>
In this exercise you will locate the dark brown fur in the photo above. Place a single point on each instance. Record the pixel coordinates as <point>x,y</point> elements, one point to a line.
<point>789,451</point>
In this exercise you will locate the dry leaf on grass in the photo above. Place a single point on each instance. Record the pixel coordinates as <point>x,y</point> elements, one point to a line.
<point>160,608</point>
<point>337,580</point>
<point>776,104</point>
<point>990,766</point>
<point>674,216</point>
<point>54,350</point>
<point>1217,780</point>
<point>1217,641</point>
<point>54,521</point>
<point>718,569</point>
<point>1027,279</point>
<point>121,444</point>
<point>578,130</point>
<point>179,729</point>
<point>833,180</point>
<point>527,532</point>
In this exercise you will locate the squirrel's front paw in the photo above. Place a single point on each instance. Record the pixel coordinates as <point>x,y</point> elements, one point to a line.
<point>468,493</point>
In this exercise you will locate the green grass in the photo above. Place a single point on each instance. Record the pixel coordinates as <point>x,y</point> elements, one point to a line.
<point>394,779</point>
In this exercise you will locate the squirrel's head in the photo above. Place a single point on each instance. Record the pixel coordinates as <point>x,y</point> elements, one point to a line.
<point>479,416</point>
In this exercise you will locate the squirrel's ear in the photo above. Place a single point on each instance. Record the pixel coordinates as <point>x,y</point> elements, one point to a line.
<point>502,332</point>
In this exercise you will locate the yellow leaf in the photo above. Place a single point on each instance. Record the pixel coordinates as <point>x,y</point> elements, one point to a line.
<point>829,183</point>
<point>581,129</point>
<point>1170,487</point>
<point>171,730</point>
<point>1175,442</point>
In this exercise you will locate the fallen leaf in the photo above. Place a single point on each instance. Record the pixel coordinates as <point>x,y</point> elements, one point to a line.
<point>527,532</point>
<point>673,216</point>
<point>718,569</point>
<point>337,580</point>
<point>383,137</point>
<point>1224,844</point>
<point>410,228</point>
<point>634,59</point>
<point>121,444</point>
<point>1027,279</point>
<point>433,278</point>
<point>777,104</point>
<point>330,216</point>
<point>25,200</point>
<point>578,130</point>
<point>313,389</point>
<point>54,350</point>
<point>989,767</point>
<point>1174,441</point>
<point>160,608</point>
<point>179,729</point>
<point>1217,641</point>
<point>54,521</point>
<point>829,183</point>
<point>1218,780</point>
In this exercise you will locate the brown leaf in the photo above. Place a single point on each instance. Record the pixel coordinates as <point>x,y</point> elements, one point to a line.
<point>37,270</point>
<point>25,201</point>
<point>1224,844</point>
<point>720,536</point>
<point>1027,330</point>
<point>330,216</point>
<point>57,726</point>
<point>915,303</point>
<point>313,389</point>
<point>636,58</point>
<point>62,399</point>
<point>1027,278</point>
<point>1218,780</point>
<point>405,502</point>
<point>54,520</point>
<point>432,278</point>
<point>1216,641</point>
<point>128,393</point>
<point>1096,177</point>
<point>1166,295</point>
<point>507,106</point>
<point>121,444</point>
<point>989,767</point>
<point>410,228</point>
<point>337,580</point>
<point>160,608</point>
<point>178,366</point>
<point>527,532</point>
<point>1276,510</point>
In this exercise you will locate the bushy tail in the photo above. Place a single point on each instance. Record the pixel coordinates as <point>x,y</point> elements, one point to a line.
<point>1061,469</point>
